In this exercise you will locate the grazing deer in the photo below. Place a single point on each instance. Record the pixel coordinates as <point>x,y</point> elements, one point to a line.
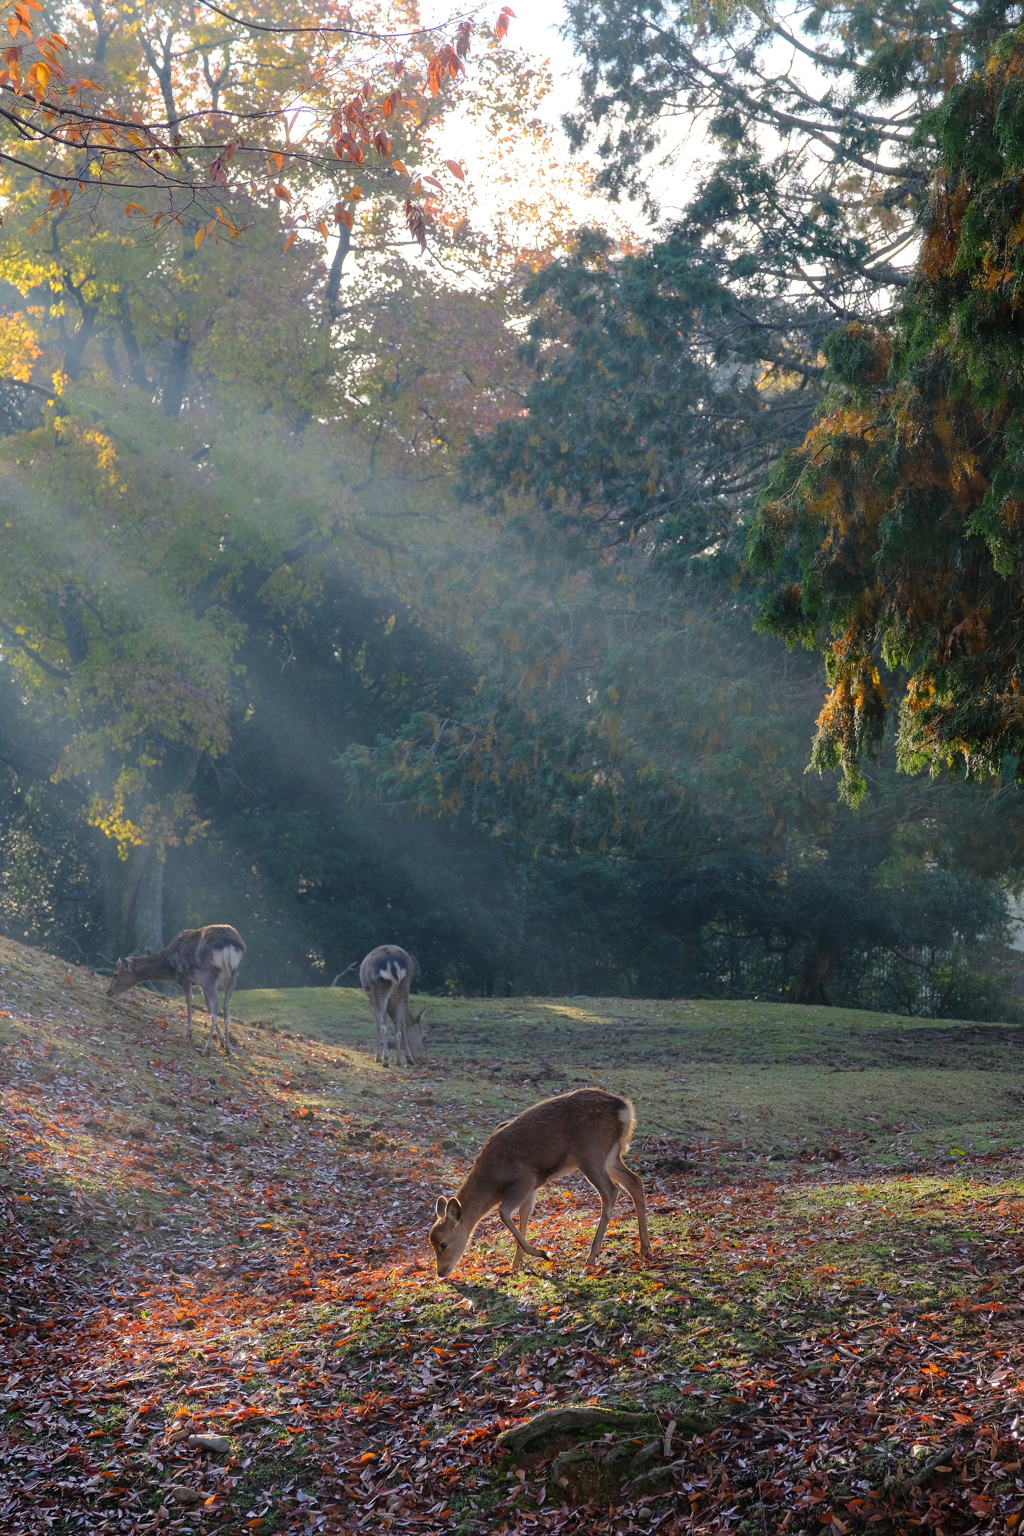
<point>200,957</point>
<point>384,976</point>
<point>588,1129</point>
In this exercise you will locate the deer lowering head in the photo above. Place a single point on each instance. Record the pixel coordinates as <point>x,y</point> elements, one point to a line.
<point>202,957</point>
<point>385,976</point>
<point>588,1130</point>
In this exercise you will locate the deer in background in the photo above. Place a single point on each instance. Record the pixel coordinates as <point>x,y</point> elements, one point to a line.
<point>196,957</point>
<point>587,1130</point>
<point>385,976</point>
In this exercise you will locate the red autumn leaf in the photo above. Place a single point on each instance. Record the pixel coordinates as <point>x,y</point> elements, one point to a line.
<point>456,169</point>
<point>417,224</point>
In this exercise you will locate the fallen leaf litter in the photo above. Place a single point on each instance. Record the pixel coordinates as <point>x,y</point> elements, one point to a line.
<point>229,1322</point>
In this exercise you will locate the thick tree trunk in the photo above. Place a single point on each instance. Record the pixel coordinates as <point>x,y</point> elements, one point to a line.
<point>147,915</point>
<point>176,376</point>
<point>133,891</point>
<point>74,352</point>
<point>810,987</point>
<point>136,367</point>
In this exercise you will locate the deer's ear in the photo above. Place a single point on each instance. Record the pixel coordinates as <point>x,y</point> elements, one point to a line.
<point>419,1017</point>
<point>441,1207</point>
<point>454,1210</point>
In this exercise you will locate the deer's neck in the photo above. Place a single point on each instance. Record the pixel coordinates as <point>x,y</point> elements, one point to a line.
<point>477,1196</point>
<point>156,967</point>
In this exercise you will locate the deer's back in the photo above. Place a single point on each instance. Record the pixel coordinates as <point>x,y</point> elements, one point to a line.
<point>194,949</point>
<point>551,1135</point>
<point>387,963</point>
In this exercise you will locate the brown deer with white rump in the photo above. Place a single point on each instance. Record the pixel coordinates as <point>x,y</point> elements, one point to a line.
<point>587,1130</point>
<point>384,976</point>
<point>197,957</point>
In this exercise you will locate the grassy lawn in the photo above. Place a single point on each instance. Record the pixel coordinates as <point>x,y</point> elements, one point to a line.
<point>826,1335</point>
<point>765,1079</point>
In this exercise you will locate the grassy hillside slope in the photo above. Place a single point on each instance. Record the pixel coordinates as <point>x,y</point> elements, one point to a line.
<point>828,1332</point>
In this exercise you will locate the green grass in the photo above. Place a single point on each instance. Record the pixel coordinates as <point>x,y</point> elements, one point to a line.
<point>761,1079</point>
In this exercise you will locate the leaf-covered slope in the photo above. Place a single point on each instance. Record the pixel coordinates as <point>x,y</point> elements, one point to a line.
<point>194,1247</point>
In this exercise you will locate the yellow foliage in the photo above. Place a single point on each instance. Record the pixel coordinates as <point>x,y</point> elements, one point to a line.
<point>100,442</point>
<point>18,347</point>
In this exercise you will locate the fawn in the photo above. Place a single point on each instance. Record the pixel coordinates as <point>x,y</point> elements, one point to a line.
<point>587,1130</point>
<point>201,957</point>
<point>384,976</point>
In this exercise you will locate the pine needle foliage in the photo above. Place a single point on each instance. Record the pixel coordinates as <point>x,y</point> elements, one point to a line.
<point>896,532</point>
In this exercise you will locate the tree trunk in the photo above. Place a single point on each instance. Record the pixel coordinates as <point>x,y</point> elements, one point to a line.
<point>810,987</point>
<point>133,898</point>
<point>147,916</point>
<point>332,308</point>
<point>176,376</point>
<point>136,367</point>
<point>74,352</point>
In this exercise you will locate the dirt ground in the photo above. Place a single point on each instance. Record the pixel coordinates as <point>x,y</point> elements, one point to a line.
<point>827,1335</point>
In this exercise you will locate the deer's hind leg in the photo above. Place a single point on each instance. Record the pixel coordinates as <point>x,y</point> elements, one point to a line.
<point>394,1013</point>
<point>633,1184</point>
<point>186,987</point>
<point>380,1015</point>
<point>210,993</point>
<point>229,992</point>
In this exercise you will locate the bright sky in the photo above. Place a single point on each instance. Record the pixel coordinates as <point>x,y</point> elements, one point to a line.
<point>535,30</point>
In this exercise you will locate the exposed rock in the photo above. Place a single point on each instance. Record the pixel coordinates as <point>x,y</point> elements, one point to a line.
<point>556,1429</point>
<point>217,1445</point>
<point>180,1493</point>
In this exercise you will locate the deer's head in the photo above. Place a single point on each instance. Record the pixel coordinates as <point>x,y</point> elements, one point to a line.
<point>449,1235</point>
<point>414,1036</point>
<point>123,979</point>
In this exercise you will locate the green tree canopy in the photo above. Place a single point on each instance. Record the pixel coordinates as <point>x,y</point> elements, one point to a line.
<point>661,395</point>
<point>817,117</point>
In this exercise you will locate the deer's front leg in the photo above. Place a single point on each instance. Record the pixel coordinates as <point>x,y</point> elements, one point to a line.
<point>515,1201</point>
<point>187,989</point>
<point>525,1212</point>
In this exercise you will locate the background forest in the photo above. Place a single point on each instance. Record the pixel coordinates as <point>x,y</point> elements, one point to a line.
<point>357,592</point>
